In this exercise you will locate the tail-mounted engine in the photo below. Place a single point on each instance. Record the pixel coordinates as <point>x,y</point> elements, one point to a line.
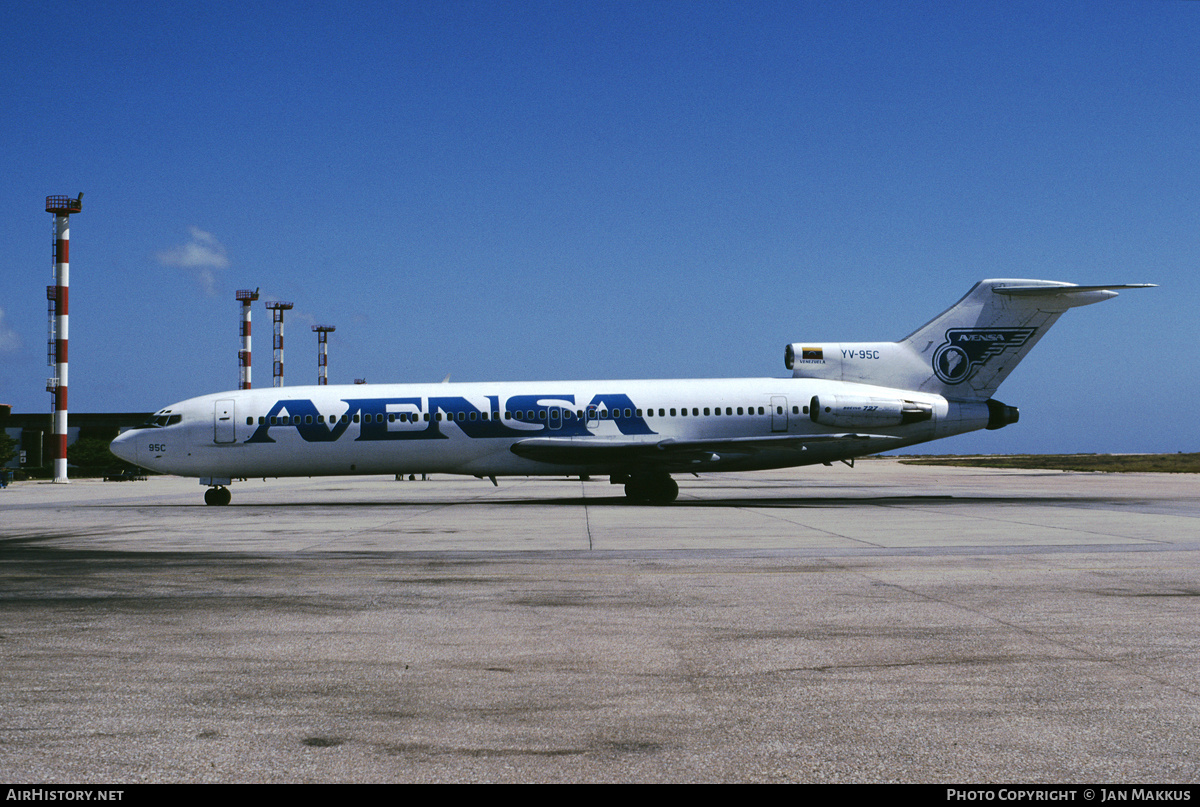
<point>852,411</point>
<point>1000,415</point>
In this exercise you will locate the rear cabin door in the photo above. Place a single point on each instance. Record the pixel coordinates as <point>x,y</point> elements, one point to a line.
<point>779,413</point>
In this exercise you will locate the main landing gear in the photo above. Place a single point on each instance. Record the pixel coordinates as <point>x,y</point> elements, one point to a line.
<point>218,495</point>
<point>657,488</point>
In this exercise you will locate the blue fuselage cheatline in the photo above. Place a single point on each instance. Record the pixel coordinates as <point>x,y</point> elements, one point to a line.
<point>844,400</point>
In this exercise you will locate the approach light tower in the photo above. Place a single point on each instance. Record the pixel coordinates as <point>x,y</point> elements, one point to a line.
<point>277,308</point>
<point>62,207</point>
<point>322,332</point>
<point>245,296</point>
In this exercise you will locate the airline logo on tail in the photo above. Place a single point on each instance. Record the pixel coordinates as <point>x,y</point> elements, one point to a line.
<point>967,349</point>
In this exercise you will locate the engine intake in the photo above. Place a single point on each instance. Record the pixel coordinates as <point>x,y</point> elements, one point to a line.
<point>1000,415</point>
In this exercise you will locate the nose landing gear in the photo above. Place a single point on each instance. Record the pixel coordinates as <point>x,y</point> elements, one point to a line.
<point>218,495</point>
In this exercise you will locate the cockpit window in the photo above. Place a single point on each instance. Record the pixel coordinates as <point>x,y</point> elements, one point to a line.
<point>160,419</point>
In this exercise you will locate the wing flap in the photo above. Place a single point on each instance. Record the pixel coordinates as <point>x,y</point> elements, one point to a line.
<point>589,450</point>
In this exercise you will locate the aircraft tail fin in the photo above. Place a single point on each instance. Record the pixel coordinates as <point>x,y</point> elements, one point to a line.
<point>965,352</point>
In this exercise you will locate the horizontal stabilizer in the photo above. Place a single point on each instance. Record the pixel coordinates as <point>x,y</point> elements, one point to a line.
<point>1024,291</point>
<point>1057,296</point>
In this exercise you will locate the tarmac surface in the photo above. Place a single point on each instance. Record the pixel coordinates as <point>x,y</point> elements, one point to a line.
<point>881,623</point>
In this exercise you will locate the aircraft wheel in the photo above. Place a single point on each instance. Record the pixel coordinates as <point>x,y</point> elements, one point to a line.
<point>217,496</point>
<point>656,489</point>
<point>635,490</point>
<point>664,491</point>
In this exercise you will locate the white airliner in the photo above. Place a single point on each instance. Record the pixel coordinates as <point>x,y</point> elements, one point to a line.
<point>844,400</point>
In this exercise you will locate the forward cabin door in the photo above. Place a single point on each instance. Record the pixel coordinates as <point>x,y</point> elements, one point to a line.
<point>223,428</point>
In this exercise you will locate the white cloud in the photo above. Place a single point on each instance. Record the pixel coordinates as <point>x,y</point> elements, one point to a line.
<point>203,255</point>
<point>8,337</point>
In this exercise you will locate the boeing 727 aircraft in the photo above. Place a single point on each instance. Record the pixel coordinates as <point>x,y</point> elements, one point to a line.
<point>844,400</point>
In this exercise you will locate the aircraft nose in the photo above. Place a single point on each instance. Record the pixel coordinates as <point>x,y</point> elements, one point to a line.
<point>125,447</point>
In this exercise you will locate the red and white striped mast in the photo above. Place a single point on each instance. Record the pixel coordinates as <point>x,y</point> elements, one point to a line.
<point>62,207</point>
<point>246,297</point>
<point>277,308</point>
<point>323,332</point>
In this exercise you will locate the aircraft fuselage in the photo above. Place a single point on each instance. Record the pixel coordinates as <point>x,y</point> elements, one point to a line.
<point>471,428</point>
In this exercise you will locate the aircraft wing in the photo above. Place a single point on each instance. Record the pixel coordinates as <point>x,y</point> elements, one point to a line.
<point>589,450</point>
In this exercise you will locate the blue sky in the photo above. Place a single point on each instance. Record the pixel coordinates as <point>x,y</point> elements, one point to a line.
<point>507,191</point>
